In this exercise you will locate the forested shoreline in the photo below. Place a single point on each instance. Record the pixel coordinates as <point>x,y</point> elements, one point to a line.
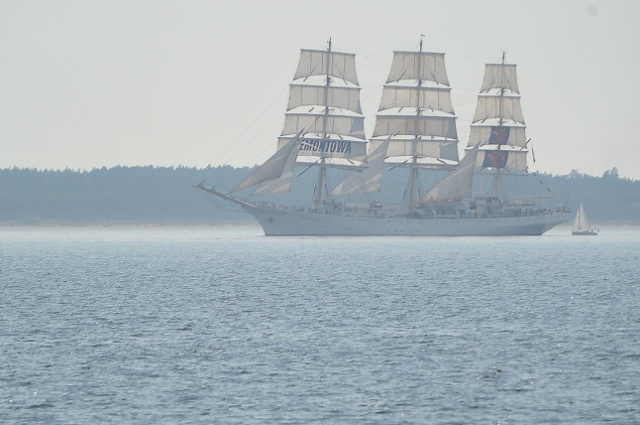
<point>163,195</point>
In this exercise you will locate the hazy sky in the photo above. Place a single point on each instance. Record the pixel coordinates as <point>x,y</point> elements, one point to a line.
<point>87,84</point>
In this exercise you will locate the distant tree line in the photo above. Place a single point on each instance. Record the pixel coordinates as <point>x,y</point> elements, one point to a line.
<point>112,195</point>
<point>164,195</point>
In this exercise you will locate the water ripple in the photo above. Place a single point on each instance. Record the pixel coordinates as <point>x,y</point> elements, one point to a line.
<point>185,326</point>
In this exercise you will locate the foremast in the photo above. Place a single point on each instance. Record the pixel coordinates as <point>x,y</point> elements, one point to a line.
<point>324,101</point>
<point>319,200</point>
<point>416,117</point>
<point>414,145</point>
<point>498,124</point>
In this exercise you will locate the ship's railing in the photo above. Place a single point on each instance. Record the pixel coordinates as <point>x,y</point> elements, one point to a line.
<point>426,211</point>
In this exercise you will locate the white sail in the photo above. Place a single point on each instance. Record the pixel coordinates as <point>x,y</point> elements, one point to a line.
<point>457,183</point>
<point>482,134</point>
<point>502,157</point>
<point>581,219</point>
<point>498,123</point>
<point>581,226</point>
<point>315,122</point>
<point>423,97</point>
<point>322,62</point>
<point>343,97</point>
<point>367,180</point>
<point>273,167</point>
<point>283,182</point>
<point>505,107</point>
<point>324,99</point>
<point>500,76</point>
<point>430,148</point>
<point>426,66</point>
<point>416,113</point>
<point>416,125</point>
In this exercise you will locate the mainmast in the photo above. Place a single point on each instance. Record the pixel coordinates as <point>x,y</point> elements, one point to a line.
<point>501,116</point>
<point>416,116</point>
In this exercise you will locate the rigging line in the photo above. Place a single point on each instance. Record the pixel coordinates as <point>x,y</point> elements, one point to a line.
<point>302,131</point>
<point>306,169</point>
<point>541,182</point>
<point>220,206</point>
<point>256,154</point>
<point>397,165</point>
<point>376,47</point>
<point>247,128</point>
<point>250,142</point>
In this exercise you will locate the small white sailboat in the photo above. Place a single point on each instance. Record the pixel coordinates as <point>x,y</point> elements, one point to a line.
<point>581,226</point>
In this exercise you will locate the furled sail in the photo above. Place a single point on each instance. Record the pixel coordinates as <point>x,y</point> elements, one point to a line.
<point>498,123</point>
<point>457,183</point>
<point>416,113</point>
<point>367,180</point>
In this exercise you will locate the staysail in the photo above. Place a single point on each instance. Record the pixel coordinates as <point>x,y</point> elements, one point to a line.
<point>457,183</point>
<point>367,180</point>
<point>279,167</point>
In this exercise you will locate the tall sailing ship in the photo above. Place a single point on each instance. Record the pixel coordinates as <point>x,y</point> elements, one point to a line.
<point>415,130</point>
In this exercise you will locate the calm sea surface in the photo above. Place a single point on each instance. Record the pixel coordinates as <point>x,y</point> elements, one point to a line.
<point>199,326</point>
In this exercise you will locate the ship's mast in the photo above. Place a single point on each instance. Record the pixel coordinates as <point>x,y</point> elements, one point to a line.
<point>498,125</point>
<point>414,145</point>
<point>496,175</point>
<point>502,90</point>
<point>323,168</point>
<point>416,119</point>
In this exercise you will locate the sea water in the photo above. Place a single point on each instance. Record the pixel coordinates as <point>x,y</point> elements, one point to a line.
<point>226,326</point>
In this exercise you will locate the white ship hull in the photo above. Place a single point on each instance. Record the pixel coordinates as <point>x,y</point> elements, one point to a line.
<point>590,232</point>
<point>277,222</point>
